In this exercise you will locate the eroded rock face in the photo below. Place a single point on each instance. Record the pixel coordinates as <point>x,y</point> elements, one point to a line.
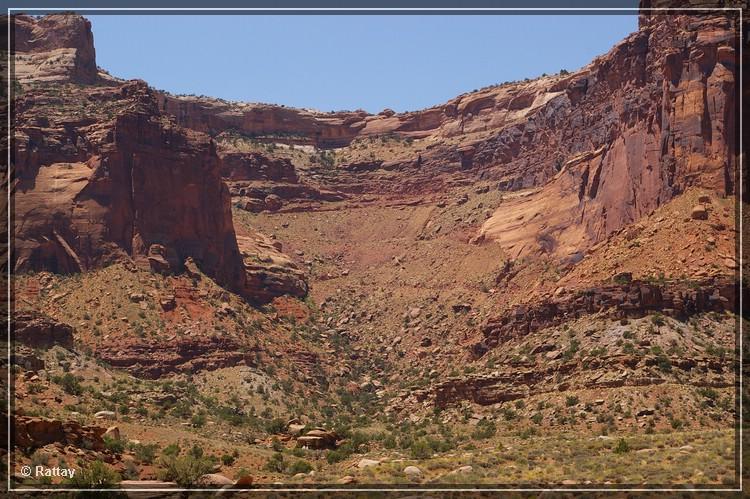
<point>33,432</point>
<point>634,128</point>
<point>153,359</point>
<point>609,143</point>
<point>630,299</point>
<point>102,175</point>
<point>134,182</point>
<point>57,47</point>
<point>270,273</point>
<point>40,331</point>
<point>597,374</point>
<point>256,166</point>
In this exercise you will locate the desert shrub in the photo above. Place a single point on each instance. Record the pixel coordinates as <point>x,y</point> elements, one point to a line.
<point>389,442</point>
<point>69,383</point>
<point>39,458</point>
<point>114,445</point>
<point>527,432</point>
<point>299,466</point>
<point>276,425</point>
<point>657,320</point>
<point>276,463</point>
<point>198,420</point>
<point>228,459</point>
<point>420,449</point>
<point>622,447</point>
<point>144,453</point>
<point>96,475</point>
<point>171,450</point>
<point>571,400</point>
<point>131,470</point>
<point>184,470</point>
<point>663,363</point>
<point>708,392</point>
<point>485,429</point>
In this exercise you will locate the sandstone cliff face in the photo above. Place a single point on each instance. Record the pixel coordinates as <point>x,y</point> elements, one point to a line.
<point>274,122</point>
<point>633,129</point>
<point>132,182</point>
<point>590,151</point>
<point>609,143</point>
<point>57,47</point>
<point>101,175</point>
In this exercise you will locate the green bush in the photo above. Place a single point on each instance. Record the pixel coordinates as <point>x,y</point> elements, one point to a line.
<point>69,383</point>
<point>171,450</point>
<point>336,456</point>
<point>96,475</point>
<point>198,420</point>
<point>184,470</point>
<point>420,449</point>
<point>275,426</point>
<point>227,459</point>
<point>657,320</point>
<point>485,429</point>
<point>663,363</point>
<point>114,445</point>
<point>571,400</point>
<point>276,463</point>
<point>622,447</point>
<point>299,467</point>
<point>145,453</point>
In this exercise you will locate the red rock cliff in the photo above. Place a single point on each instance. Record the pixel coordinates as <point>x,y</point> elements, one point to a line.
<point>54,47</point>
<point>124,182</point>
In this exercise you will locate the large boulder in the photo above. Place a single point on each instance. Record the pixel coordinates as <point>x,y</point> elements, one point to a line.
<point>318,438</point>
<point>34,432</point>
<point>41,331</point>
<point>270,273</point>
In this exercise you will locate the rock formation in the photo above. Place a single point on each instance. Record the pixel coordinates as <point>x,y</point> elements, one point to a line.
<point>102,175</point>
<point>40,331</point>
<point>610,142</point>
<point>626,299</point>
<point>57,47</point>
<point>34,432</point>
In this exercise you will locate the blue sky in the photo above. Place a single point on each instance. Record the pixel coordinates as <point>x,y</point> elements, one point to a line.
<point>328,62</point>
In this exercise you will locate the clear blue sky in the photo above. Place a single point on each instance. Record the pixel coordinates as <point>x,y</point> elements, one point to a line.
<point>331,62</point>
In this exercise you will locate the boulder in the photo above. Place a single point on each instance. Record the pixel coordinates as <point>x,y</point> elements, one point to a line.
<point>26,358</point>
<point>243,481</point>
<point>34,432</point>
<point>699,212</point>
<point>41,331</point>
<point>295,429</point>
<point>191,269</point>
<point>273,202</point>
<point>318,439</point>
<point>215,479</point>
<point>367,463</point>
<point>113,432</point>
<point>412,472</point>
<point>168,302</point>
<point>251,204</point>
<point>461,470</point>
